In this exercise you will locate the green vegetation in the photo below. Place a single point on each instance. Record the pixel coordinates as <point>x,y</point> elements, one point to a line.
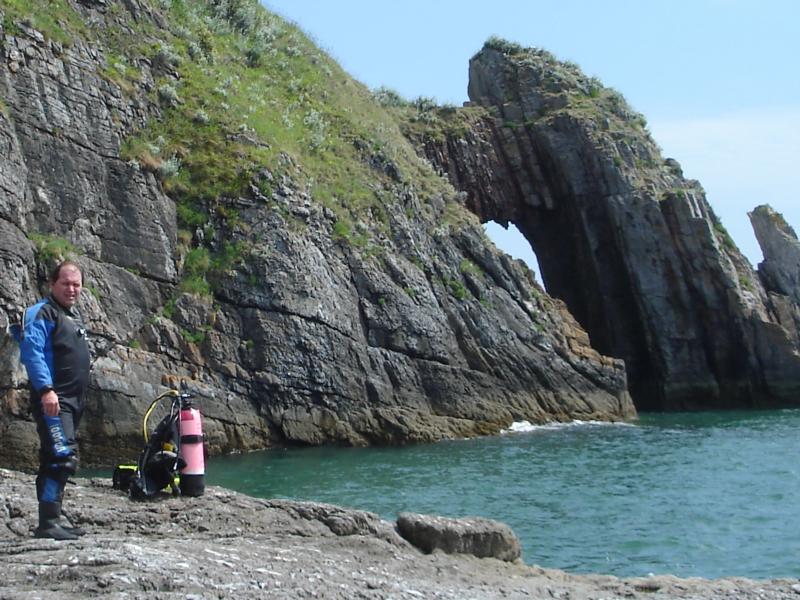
<point>119,71</point>
<point>202,269</point>
<point>504,46</point>
<point>93,291</point>
<point>455,287</point>
<point>456,216</point>
<point>195,284</point>
<point>191,215</point>
<point>195,337</point>
<point>389,98</point>
<point>51,248</point>
<point>56,19</point>
<point>722,234</point>
<point>196,266</point>
<point>197,261</point>
<point>10,26</point>
<point>254,92</point>
<point>169,308</point>
<point>343,232</point>
<point>423,120</point>
<point>467,266</point>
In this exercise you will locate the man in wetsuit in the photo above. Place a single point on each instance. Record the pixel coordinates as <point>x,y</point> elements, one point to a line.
<point>55,353</point>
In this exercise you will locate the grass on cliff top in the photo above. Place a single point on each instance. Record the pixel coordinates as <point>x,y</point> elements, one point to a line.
<point>241,90</point>
<point>567,92</point>
<point>245,98</point>
<point>255,93</point>
<point>423,119</point>
<point>55,19</point>
<point>585,94</point>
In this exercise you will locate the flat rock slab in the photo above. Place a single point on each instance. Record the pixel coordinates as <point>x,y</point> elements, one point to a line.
<point>480,537</point>
<point>228,545</point>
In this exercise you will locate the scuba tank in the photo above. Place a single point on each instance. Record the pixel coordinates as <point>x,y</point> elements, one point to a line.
<point>190,448</point>
<point>173,455</point>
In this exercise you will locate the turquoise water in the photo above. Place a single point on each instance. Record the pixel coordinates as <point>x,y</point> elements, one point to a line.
<point>701,494</point>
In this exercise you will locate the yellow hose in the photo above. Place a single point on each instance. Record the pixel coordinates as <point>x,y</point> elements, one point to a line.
<point>150,410</point>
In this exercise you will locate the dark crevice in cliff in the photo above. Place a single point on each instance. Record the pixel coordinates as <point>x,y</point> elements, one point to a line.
<point>150,277</point>
<point>11,222</point>
<point>279,311</point>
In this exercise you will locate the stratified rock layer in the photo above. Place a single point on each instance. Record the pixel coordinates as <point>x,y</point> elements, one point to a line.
<point>632,248</point>
<point>310,340</point>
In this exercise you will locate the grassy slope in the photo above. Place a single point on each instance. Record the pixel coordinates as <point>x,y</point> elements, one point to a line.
<point>245,98</point>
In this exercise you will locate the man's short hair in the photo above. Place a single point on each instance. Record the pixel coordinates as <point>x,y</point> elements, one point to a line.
<point>56,273</point>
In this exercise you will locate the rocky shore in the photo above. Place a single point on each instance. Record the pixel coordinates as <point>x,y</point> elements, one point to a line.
<point>228,545</point>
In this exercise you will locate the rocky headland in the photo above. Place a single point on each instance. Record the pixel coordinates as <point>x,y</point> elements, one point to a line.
<point>227,545</point>
<point>632,247</point>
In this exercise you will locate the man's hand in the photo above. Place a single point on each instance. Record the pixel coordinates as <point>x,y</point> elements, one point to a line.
<point>50,405</point>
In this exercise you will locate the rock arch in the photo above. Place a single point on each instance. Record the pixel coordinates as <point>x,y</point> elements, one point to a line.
<point>632,247</point>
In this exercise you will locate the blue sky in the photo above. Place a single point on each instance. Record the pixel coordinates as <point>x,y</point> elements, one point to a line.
<point>717,80</point>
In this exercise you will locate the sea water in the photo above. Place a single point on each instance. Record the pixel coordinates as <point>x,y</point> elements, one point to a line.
<point>696,494</point>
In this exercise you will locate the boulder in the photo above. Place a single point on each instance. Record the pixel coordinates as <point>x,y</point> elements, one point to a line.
<point>478,536</point>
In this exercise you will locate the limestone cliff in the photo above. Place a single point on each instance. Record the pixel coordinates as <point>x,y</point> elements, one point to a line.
<point>249,218</point>
<point>632,248</point>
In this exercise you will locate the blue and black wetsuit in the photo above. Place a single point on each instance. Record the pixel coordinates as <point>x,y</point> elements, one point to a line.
<point>55,353</point>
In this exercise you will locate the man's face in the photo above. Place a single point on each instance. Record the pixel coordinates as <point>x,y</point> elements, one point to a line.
<point>67,289</point>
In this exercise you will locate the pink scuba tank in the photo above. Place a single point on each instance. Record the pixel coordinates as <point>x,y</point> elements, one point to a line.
<point>191,451</point>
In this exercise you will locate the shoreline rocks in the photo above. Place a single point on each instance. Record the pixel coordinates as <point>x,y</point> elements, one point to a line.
<point>226,544</point>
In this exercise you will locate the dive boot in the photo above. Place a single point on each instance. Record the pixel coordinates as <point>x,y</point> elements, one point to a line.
<point>76,531</point>
<point>79,531</point>
<point>49,513</point>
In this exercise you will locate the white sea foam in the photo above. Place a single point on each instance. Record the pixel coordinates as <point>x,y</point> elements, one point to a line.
<point>527,426</point>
